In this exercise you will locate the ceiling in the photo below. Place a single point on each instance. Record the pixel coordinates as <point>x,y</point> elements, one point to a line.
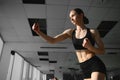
<point>16,31</point>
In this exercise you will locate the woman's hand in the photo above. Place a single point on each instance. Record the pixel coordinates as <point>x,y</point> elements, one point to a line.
<point>35,27</point>
<point>86,43</point>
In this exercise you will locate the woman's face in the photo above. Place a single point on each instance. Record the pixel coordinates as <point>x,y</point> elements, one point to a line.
<point>74,17</point>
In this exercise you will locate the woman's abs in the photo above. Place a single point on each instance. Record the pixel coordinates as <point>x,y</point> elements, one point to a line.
<point>84,55</point>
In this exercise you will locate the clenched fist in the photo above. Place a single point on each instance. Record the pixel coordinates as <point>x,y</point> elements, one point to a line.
<point>35,27</point>
<point>86,43</point>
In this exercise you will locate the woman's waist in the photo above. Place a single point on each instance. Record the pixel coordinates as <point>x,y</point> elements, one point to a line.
<point>84,55</point>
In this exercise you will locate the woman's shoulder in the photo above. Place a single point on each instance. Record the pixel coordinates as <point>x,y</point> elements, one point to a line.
<point>69,31</point>
<point>93,30</point>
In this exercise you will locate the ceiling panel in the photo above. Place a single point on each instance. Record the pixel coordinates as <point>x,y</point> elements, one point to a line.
<point>106,3</point>
<point>13,10</point>
<point>113,37</point>
<point>57,2</point>
<point>55,23</point>
<point>33,1</point>
<point>80,2</point>
<point>93,23</point>
<point>99,13</point>
<point>35,10</point>
<point>56,12</point>
<point>10,1</point>
<point>112,14</point>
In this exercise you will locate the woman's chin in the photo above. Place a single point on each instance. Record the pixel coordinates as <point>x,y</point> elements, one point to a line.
<point>74,23</point>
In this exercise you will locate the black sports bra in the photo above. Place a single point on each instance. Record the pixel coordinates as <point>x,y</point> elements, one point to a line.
<point>78,42</point>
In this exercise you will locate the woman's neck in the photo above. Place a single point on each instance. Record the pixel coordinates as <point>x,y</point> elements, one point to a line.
<point>80,27</point>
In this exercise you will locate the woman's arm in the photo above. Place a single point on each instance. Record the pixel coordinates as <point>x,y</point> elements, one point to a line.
<point>49,39</point>
<point>100,46</point>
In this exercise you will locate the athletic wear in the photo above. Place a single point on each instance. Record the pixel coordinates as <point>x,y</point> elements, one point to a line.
<point>92,65</point>
<point>78,42</point>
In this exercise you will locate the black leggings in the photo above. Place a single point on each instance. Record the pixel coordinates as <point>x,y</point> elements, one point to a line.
<point>92,65</point>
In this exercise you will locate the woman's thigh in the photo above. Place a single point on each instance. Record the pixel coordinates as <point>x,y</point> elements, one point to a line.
<point>88,79</point>
<point>97,76</point>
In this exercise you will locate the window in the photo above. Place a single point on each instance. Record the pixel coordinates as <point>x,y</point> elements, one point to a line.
<point>30,72</point>
<point>17,68</point>
<point>44,76</point>
<point>25,73</point>
<point>20,69</point>
<point>12,57</point>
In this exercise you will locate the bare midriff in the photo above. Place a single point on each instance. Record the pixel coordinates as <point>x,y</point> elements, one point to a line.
<point>84,55</point>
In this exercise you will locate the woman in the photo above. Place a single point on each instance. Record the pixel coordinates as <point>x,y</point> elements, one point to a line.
<point>83,40</point>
